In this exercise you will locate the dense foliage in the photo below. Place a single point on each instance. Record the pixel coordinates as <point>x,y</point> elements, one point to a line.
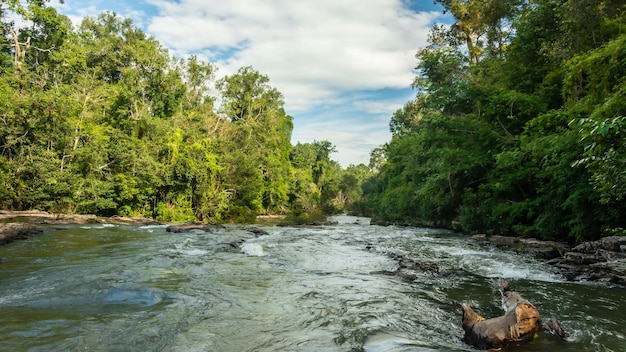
<point>518,126</point>
<point>100,119</point>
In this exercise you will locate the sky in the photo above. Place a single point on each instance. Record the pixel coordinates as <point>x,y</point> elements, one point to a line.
<point>343,66</point>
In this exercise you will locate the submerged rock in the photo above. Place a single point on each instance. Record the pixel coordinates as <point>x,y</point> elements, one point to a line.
<point>15,231</point>
<point>258,232</point>
<point>190,227</point>
<point>410,269</point>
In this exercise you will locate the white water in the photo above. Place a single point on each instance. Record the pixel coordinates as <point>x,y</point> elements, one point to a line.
<point>326,288</point>
<point>253,249</point>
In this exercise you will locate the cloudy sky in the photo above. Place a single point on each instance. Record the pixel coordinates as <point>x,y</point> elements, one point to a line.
<point>343,66</point>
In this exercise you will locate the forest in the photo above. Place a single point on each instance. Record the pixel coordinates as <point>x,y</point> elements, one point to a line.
<point>102,120</point>
<point>517,127</point>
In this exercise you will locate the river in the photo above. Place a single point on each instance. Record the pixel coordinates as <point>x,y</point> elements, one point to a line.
<point>327,288</point>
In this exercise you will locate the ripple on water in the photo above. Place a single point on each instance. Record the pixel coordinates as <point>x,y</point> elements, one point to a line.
<point>296,289</point>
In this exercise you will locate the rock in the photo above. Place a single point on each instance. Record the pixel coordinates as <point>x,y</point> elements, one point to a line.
<point>531,246</point>
<point>4,214</point>
<point>19,224</point>
<point>190,227</point>
<point>257,231</point>
<point>602,261</point>
<point>15,231</point>
<point>610,244</point>
<point>42,217</point>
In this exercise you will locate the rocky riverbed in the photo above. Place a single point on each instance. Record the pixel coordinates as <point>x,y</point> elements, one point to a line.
<point>601,261</point>
<point>15,225</point>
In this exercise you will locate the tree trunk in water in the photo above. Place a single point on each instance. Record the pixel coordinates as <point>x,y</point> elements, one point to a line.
<point>520,322</point>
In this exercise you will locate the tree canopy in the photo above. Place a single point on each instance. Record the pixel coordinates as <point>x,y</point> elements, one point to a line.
<point>517,126</point>
<point>100,119</point>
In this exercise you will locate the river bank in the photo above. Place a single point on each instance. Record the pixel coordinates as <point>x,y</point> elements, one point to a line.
<point>16,225</point>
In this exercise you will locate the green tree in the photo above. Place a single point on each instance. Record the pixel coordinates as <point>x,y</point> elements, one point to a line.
<point>100,119</point>
<point>317,185</point>
<point>517,123</point>
<point>351,188</point>
<point>256,143</point>
<point>598,103</point>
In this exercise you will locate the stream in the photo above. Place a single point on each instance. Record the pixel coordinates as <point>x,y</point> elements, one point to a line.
<point>325,288</point>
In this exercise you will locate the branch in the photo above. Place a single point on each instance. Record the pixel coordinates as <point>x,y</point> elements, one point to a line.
<point>20,53</point>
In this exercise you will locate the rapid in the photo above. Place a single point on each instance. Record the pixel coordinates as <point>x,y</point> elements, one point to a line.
<point>324,288</point>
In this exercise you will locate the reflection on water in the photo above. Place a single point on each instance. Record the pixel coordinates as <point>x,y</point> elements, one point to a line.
<point>124,288</point>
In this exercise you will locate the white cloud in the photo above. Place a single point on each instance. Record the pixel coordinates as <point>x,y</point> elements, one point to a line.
<point>382,107</point>
<point>314,53</point>
<point>311,50</point>
<point>355,127</point>
<point>353,138</point>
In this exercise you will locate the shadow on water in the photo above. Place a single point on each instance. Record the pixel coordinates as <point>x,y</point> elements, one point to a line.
<point>345,287</point>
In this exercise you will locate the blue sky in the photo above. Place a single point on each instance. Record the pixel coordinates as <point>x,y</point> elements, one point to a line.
<point>343,66</point>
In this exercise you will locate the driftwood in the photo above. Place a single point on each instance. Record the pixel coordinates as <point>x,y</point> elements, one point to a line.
<point>520,323</point>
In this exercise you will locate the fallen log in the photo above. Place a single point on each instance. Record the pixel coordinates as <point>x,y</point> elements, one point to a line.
<point>520,323</point>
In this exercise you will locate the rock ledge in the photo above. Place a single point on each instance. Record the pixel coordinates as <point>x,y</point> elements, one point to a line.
<point>601,261</point>
<point>15,225</point>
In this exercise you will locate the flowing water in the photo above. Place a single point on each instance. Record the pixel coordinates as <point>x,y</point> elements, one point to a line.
<point>328,288</point>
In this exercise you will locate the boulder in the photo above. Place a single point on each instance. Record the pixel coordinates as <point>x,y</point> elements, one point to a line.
<point>602,261</point>
<point>190,227</point>
<point>258,232</point>
<point>531,246</point>
<point>15,231</point>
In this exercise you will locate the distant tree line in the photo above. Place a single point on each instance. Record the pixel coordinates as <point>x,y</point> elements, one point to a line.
<point>100,119</point>
<point>518,126</point>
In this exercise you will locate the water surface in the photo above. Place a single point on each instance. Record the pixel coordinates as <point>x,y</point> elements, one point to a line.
<point>126,288</point>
